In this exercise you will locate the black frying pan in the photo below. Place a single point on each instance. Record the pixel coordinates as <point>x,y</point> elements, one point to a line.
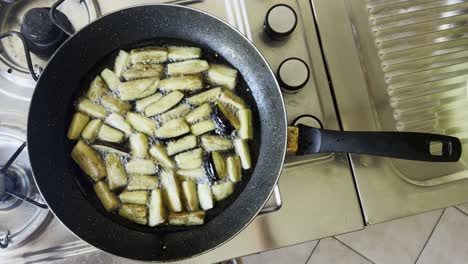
<point>69,193</point>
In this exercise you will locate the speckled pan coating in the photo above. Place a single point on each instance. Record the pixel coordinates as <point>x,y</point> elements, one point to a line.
<point>68,192</point>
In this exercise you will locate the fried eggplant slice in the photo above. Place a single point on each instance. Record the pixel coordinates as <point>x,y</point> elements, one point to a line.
<point>138,89</point>
<point>78,123</point>
<point>160,154</point>
<point>109,134</point>
<point>91,130</point>
<point>157,212</point>
<point>135,213</point>
<point>177,112</point>
<point>138,182</point>
<point>164,104</point>
<point>203,127</point>
<point>222,75</point>
<point>110,79</point>
<point>118,122</point>
<point>121,63</point>
<point>187,67</point>
<point>192,174</point>
<point>205,196</point>
<point>139,145</point>
<point>141,123</point>
<point>141,166</point>
<point>187,218</point>
<point>234,169</point>
<point>142,71</point>
<point>172,129</point>
<point>111,148</point>
<point>177,53</point>
<point>189,159</point>
<point>199,113</point>
<point>108,199</point>
<point>222,109</point>
<point>186,83</point>
<point>148,55</point>
<point>89,161</point>
<point>92,109</point>
<point>171,191</point>
<point>242,149</point>
<point>116,176</point>
<point>141,104</point>
<point>136,197</point>
<point>183,144</point>
<point>189,189</point>
<point>222,190</point>
<point>96,89</point>
<point>246,128</point>
<point>215,143</point>
<point>204,97</point>
<point>115,105</point>
<point>230,98</point>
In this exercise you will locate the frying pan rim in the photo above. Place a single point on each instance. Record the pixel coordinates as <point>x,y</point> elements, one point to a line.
<point>272,75</point>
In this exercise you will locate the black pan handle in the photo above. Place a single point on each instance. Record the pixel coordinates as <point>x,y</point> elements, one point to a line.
<point>26,50</point>
<point>402,145</point>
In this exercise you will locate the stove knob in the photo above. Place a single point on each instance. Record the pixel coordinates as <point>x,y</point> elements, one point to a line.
<point>293,74</point>
<point>280,21</point>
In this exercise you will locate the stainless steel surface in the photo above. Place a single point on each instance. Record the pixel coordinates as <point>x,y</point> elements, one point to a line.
<point>318,196</point>
<point>400,65</point>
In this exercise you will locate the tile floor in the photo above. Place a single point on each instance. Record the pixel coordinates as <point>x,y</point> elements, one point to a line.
<point>434,237</point>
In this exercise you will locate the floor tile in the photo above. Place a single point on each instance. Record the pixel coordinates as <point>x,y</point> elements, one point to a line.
<point>330,250</point>
<point>399,241</point>
<point>296,254</point>
<point>448,241</point>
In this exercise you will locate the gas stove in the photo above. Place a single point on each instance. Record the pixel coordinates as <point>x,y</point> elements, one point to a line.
<point>316,195</point>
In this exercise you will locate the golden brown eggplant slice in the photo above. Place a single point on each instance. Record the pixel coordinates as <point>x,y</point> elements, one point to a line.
<point>89,161</point>
<point>108,199</point>
<point>78,123</point>
<point>135,213</point>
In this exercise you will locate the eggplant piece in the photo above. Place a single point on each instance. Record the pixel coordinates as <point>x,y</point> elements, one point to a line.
<point>215,166</point>
<point>136,197</point>
<point>187,67</point>
<point>164,104</point>
<point>222,190</point>
<point>171,191</point>
<point>178,112</point>
<point>116,175</point>
<point>135,213</point>
<point>222,123</point>
<point>139,145</point>
<point>141,104</point>
<point>78,123</point>
<point>157,212</point>
<point>138,182</point>
<point>215,143</point>
<point>160,154</point>
<point>111,148</point>
<point>234,170</point>
<point>202,127</point>
<point>141,166</point>
<point>109,134</point>
<point>222,75</point>
<point>148,55</point>
<point>121,63</point>
<point>141,123</point>
<point>245,118</point>
<point>96,89</point>
<point>189,189</point>
<point>209,167</point>
<point>187,218</point>
<point>114,105</point>
<point>172,129</point>
<point>89,161</point>
<point>182,83</point>
<point>142,71</point>
<point>91,130</point>
<point>137,89</point>
<point>183,144</point>
<point>92,109</point>
<point>118,122</point>
<point>192,174</point>
<point>183,53</point>
<point>228,114</point>
<point>242,149</point>
<point>205,96</point>
<point>205,196</point>
<point>108,199</point>
<point>190,159</point>
<point>110,79</point>
<point>198,113</point>
<point>230,98</point>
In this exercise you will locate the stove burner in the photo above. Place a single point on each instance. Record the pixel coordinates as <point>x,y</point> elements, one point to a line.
<point>42,35</point>
<point>16,183</point>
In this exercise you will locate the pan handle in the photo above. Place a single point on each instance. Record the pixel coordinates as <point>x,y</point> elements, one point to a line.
<point>403,145</point>
<point>26,50</point>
